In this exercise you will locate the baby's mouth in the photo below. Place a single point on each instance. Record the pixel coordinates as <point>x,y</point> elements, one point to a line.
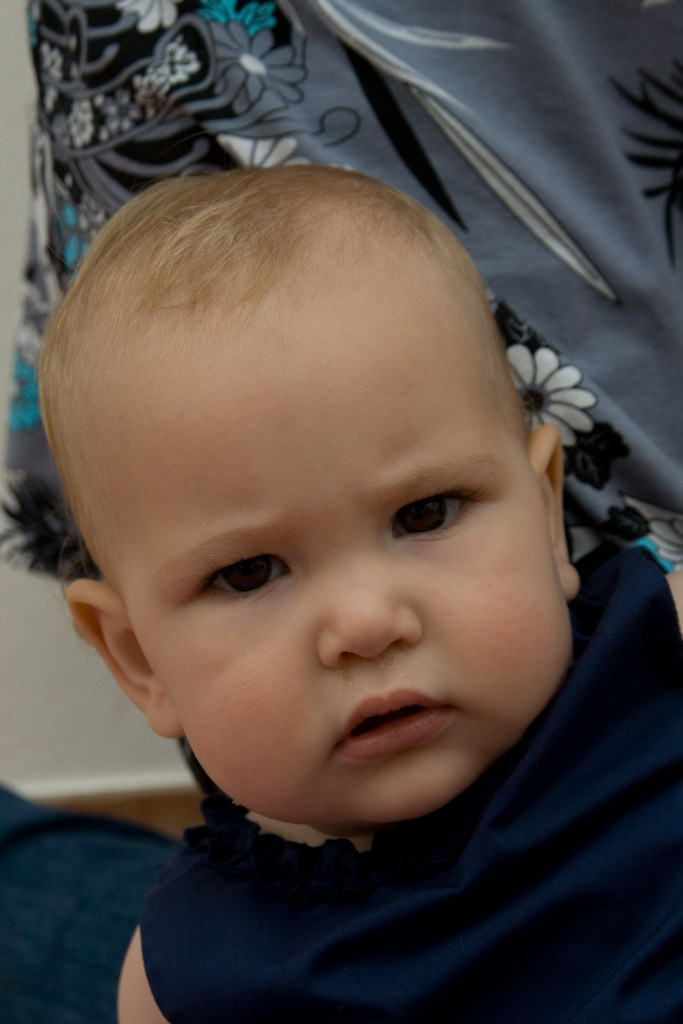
<point>385,724</point>
<point>376,720</point>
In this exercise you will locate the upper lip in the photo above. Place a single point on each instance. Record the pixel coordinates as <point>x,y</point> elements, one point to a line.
<point>384,704</point>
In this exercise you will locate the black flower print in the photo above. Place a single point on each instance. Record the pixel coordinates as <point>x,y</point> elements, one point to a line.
<point>591,457</point>
<point>625,522</point>
<point>662,146</point>
<point>658,529</point>
<point>41,533</point>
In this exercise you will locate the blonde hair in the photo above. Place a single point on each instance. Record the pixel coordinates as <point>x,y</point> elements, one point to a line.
<point>181,245</point>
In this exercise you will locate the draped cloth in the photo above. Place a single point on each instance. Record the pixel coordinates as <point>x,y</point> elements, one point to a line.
<point>547,135</point>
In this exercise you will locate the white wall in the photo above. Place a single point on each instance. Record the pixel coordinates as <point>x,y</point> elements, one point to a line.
<point>65,729</point>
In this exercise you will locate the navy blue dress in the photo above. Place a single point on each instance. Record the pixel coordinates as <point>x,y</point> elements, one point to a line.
<point>550,891</point>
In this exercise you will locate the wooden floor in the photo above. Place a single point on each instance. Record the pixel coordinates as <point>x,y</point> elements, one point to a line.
<point>169,812</point>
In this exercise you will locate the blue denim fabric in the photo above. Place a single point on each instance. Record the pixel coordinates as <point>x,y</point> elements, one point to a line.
<point>71,891</point>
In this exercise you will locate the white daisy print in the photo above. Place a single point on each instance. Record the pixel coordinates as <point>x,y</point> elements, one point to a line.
<point>80,123</point>
<point>665,530</point>
<point>176,66</point>
<point>50,99</point>
<point>151,14</point>
<point>261,152</point>
<point>119,113</point>
<point>549,391</point>
<point>51,61</point>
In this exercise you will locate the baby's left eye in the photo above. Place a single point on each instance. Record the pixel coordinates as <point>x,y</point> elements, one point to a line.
<point>426,515</point>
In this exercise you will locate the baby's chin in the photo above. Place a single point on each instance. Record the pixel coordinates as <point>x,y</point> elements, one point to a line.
<point>413,785</point>
<point>360,834</point>
<point>379,818</point>
<point>345,827</point>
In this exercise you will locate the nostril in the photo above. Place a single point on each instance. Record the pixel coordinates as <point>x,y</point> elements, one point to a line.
<point>349,661</point>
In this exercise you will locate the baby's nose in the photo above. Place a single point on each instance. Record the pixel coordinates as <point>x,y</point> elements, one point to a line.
<point>364,625</point>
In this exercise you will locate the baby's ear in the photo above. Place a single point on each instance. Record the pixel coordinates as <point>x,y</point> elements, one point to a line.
<point>101,616</point>
<point>545,454</point>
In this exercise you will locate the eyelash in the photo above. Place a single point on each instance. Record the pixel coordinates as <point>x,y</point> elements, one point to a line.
<point>463,501</point>
<point>207,587</point>
<point>466,498</point>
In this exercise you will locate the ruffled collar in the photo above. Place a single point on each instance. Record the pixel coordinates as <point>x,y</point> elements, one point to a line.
<point>627,598</point>
<point>336,872</point>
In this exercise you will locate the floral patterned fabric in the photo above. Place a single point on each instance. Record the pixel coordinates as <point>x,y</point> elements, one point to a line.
<point>549,140</point>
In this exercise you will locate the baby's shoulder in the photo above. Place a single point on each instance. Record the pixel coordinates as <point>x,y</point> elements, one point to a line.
<point>675,581</point>
<point>136,1004</point>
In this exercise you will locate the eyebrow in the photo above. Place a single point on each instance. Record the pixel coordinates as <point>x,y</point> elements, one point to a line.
<point>259,531</point>
<point>437,476</point>
<point>434,477</point>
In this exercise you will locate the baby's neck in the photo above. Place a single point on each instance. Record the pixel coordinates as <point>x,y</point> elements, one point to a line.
<point>312,835</point>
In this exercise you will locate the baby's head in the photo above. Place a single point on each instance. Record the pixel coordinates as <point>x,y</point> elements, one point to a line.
<point>333,557</point>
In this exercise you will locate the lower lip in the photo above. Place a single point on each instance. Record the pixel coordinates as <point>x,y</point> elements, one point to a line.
<point>394,736</point>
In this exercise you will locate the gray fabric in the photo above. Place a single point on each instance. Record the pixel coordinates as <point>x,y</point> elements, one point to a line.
<point>545,124</point>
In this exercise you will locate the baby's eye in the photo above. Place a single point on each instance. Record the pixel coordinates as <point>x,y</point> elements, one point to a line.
<point>426,515</point>
<point>250,574</point>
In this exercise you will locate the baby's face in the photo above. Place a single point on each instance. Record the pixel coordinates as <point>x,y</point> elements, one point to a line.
<point>337,555</point>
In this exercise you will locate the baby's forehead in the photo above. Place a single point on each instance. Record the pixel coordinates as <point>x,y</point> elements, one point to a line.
<point>349,279</point>
<point>308,317</point>
<point>320,281</point>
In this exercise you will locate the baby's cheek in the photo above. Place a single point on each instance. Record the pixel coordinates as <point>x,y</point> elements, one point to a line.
<point>519,648</point>
<point>542,651</point>
<point>247,726</point>
<point>498,619</point>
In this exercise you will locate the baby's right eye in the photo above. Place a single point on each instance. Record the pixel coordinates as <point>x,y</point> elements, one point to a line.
<point>250,574</point>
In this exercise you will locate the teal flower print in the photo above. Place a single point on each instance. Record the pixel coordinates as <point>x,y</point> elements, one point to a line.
<point>254,16</point>
<point>24,410</point>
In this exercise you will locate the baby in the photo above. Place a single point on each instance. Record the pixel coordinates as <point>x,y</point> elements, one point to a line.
<point>332,556</point>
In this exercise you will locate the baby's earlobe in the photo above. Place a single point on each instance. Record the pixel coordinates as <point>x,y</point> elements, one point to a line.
<point>570,579</point>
